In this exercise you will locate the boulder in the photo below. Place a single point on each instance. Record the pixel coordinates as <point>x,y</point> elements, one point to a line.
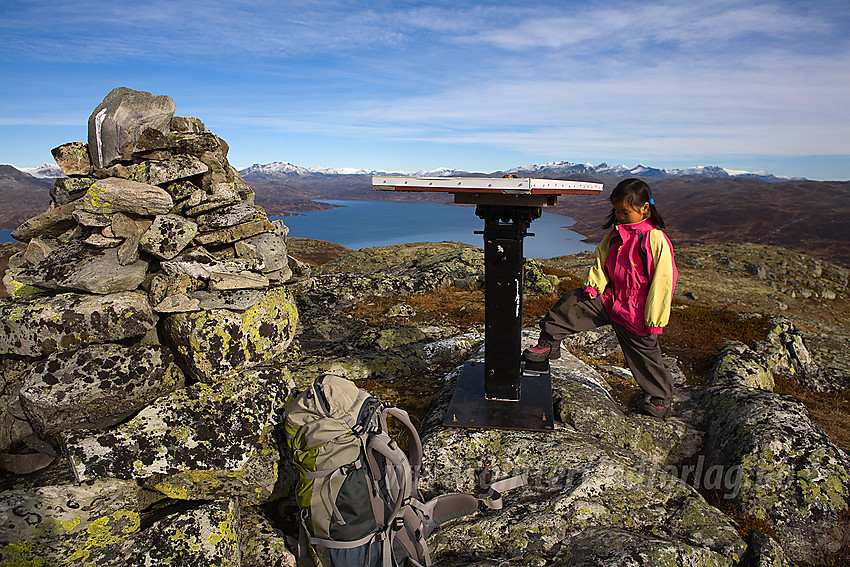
<point>117,124</point>
<point>203,534</point>
<point>14,426</point>
<point>163,286</point>
<point>95,387</point>
<point>92,220</point>
<point>234,300</point>
<point>203,267</point>
<point>231,234</point>
<point>38,515</point>
<point>206,534</point>
<point>160,172</point>
<point>230,215</point>
<point>43,325</point>
<point>187,124</point>
<point>203,442</point>
<point>582,495</point>
<point>212,343</point>
<point>788,473</point>
<point>738,364</point>
<point>99,542</point>
<point>402,353</point>
<point>69,189</point>
<point>79,267</point>
<point>116,195</point>
<point>198,143</point>
<point>73,159</point>
<point>269,247</point>
<point>218,195</point>
<point>51,223</point>
<point>168,236</point>
<point>263,544</point>
<point>38,249</point>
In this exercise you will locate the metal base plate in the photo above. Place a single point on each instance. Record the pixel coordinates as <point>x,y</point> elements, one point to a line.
<point>532,412</point>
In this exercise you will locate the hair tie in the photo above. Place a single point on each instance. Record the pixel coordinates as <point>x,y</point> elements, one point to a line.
<point>652,202</point>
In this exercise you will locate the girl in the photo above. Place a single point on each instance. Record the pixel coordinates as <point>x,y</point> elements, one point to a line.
<point>630,287</point>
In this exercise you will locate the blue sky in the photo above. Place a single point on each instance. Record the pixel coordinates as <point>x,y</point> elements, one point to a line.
<point>479,86</point>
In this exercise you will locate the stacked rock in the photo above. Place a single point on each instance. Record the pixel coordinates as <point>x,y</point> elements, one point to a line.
<point>142,341</point>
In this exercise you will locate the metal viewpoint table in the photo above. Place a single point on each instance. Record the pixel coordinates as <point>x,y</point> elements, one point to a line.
<point>504,392</point>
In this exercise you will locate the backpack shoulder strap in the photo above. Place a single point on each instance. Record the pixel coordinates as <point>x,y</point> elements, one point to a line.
<point>414,443</point>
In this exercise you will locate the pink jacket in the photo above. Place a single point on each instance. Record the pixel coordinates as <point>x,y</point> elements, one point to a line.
<point>636,275</point>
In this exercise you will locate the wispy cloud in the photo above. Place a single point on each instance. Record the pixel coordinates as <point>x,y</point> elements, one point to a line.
<point>550,77</point>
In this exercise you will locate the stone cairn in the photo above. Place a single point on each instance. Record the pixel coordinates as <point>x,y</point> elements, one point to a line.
<point>141,352</point>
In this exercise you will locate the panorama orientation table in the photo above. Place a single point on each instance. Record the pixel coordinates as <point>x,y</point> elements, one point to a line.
<point>505,392</point>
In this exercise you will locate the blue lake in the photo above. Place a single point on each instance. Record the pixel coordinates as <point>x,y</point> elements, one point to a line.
<point>364,224</point>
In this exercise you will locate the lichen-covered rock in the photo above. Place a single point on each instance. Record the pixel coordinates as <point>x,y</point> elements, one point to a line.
<point>263,545</point>
<point>738,364</point>
<point>51,223</point>
<point>766,552</point>
<point>98,543</point>
<point>95,387</point>
<point>230,215</point>
<point>399,356</point>
<point>214,342</point>
<point>14,426</point>
<point>790,474</point>
<point>611,547</point>
<point>215,196</point>
<point>208,535</point>
<point>119,122</point>
<point>577,485</point>
<point>269,247</point>
<point>40,514</point>
<point>161,172</point>
<point>117,195</point>
<point>168,236</point>
<point>535,281</point>
<point>43,325</point>
<point>73,158</point>
<point>206,441</point>
<point>230,234</point>
<point>590,411</point>
<point>67,189</point>
<point>78,267</point>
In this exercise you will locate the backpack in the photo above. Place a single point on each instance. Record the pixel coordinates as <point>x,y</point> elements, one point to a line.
<point>357,490</point>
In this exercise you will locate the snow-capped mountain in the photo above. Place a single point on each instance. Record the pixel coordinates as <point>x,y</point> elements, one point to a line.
<point>562,168</point>
<point>551,169</point>
<point>280,168</point>
<point>44,171</point>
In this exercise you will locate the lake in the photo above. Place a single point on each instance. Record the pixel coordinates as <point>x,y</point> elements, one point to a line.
<point>364,224</point>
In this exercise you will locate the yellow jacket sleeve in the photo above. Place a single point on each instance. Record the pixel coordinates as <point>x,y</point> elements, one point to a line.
<point>596,277</point>
<point>660,298</point>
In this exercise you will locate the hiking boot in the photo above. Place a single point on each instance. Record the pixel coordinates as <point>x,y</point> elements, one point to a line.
<point>543,350</point>
<point>657,407</point>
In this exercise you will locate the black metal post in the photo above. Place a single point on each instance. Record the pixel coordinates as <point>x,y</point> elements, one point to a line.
<point>504,229</point>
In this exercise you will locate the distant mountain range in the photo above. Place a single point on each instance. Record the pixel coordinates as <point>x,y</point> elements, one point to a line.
<point>280,169</point>
<point>699,205</point>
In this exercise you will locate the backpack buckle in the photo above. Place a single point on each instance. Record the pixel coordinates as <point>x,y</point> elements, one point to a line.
<point>397,523</point>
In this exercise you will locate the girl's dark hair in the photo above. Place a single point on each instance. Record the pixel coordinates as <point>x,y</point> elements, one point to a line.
<point>634,193</point>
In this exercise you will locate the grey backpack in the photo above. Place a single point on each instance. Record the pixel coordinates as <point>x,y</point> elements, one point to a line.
<point>358,491</point>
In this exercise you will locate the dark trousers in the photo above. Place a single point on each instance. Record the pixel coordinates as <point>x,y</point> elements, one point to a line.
<point>575,313</point>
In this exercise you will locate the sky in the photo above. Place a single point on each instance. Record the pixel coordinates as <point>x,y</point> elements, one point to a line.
<point>480,86</point>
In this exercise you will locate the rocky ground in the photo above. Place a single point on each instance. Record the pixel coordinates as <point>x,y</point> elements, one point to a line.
<point>613,486</point>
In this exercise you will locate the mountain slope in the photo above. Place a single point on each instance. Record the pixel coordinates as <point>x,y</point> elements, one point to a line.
<point>21,196</point>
